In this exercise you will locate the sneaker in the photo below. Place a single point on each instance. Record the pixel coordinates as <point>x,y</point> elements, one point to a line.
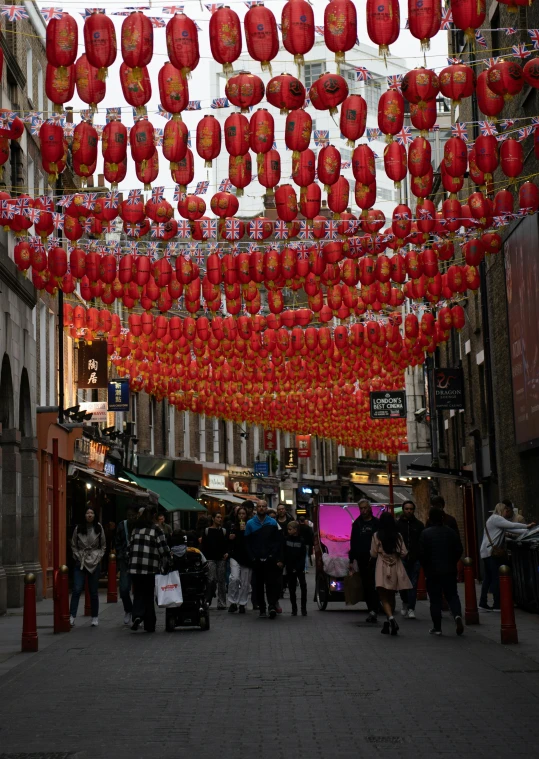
<point>459,625</point>
<point>136,623</point>
<point>385,628</point>
<point>496,609</point>
<point>72,620</point>
<point>127,618</point>
<point>94,622</point>
<point>411,614</point>
<point>262,614</point>
<point>272,613</point>
<point>232,608</point>
<point>394,626</point>
<point>485,609</point>
<point>433,631</point>
<point>242,609</point>
<point>404,610</point>
<point>372,618</point>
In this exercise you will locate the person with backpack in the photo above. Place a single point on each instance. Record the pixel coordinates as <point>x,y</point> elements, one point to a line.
<point>88,545</point>
<point>214,546</point>
<point>123,536</point>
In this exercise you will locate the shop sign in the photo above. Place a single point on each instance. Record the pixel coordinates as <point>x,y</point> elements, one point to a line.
<point>270,440</point>
<point>110,468</point>
<point>98,410</point>
<point>290,458</point>
<point>217,481</point>
<point>305,490</point>
<point>92,365</point>
<point>262,468</point>
<point>90,453</point>
<point>449,388</point>
<point>303,444</point>
<point>388,405</point>
<point>118,395</point>
<point>240,486</point>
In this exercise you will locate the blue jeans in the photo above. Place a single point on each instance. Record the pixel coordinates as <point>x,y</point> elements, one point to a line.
<point>79,579</point>
<point>409,597</point>
<point>491,581</point>
<point>125,587</point>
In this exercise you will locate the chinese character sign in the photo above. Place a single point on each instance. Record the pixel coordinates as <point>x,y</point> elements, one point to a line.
<point>270,440</point>
<point>118,395</point>
<point>291,458</point>
<point>303,444</point>
<point>93,365</point>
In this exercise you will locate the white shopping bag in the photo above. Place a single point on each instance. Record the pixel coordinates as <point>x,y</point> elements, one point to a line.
<point>168,590</point>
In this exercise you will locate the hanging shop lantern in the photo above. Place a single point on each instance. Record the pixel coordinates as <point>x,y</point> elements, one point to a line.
<point>420,85</point>
<point>353,118</point>
<point>489,102</point>
<point>100,42</point>
<point>486,154</point>
<point>424,18</point>
<point>236,129</point>
<point>511,158</point>
<point>383,23</point>
<point>310,201</point>
<point>528,197</point>
<point>208,138</point>
<point>304,168</point>
<point>240,172</point>
<point>419,157</point>
<point>286,93</point>
<point>297,28</point>
<point>457,81</point>
<point>395,162</point>
<point>62,40</point>
<point>424,116</point>
<point>503,203</point>
<point>365,195</point>
<point>468,15</point>
<point>244,90</point>
<point>136,40</point>
<point>297,133</point>
<point>530,72</point>
<point>286,203</point>
<point>505,78</point>
<point>84,147</point>
<point>421,187</point>
<point>426,217</point>
<point>184,172</point>
<point>175,136</point>
<point>401,222</point>
<point>59,85</point>
<point>363,164</point>
<point>224,204</point>
<point>173,88</point>
<point>142,141</point>
<point>474,252</point>
<point>182,43</point>
<point>339,196</point>
<point>261,35</point>
<point>136,87</point>
<point>148,171</point>
<point>455,157</point>
<point>115,173</point>
<point>391,113</point>
<point>261,131</point>
<point>225,37</point>
<point>327,92</point>
<point>452,213</point>
<point>340,28</point>
<point>161,210</point>
<point>269,169</point>
<point>90,89</point>
<point>329,165</point>
<point>191,207</point>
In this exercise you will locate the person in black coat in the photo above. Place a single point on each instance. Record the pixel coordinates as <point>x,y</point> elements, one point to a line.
<point>294,553</point>
<point>363,529</point>
<point>439,552</point>
<point>410,528</point>
<point>214,546</point>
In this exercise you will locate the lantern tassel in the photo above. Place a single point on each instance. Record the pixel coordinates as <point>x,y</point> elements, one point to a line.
<point>173,166</point>
<point>383,52</point>
<point>147,187</point>
<point>227,69</point>
<point>239,192</point>
<point>186,72</point>
<point>350,143</point>
<point>425,44</point>
<point>102,73</point>
<point>284,111</point>
<point>299,60</point>
<point>207,164</point>
<point>266,66</point>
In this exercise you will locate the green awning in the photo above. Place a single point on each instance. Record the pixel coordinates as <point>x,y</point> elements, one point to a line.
<point>171,497</point>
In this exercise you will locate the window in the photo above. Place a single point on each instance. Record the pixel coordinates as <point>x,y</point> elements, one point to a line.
<point>351,80</point>
<point>39,88</point>
<point>372,94</point>
<point>443,105</point>
<point>384,194</point>
<point>29,73</point>
<point>312,72</point>
<point>346,154</point>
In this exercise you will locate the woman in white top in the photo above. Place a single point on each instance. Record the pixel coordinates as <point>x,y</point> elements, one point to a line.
<point>496,529</point>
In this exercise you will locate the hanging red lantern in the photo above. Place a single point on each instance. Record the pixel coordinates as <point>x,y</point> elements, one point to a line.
<point>505,78</point>
<point>269,169</point>
<point>60,85</point>
<point>421,187</point>
<point>148,171</point>
<point>340,28</point>
<point>244,90</point>
<point>208,137</point>
<point>225,37</point>
<point>419,157</point>
<point>489,102</point>
<point>503,203</point>
<point>100,42</point>
<point>401,222</point>
<point>261,131</point>
<point>327,92</point>
<point>89,88</point>
<point>236,131</point>
<point>353,118</point>
<point>286,93</point>
<point>383,23</point>
<point>476,175</point>
<point>457,81</point>
<point>395,162</point>
<point>62,38</point>
<point>486,154</point>
<point>191,207</point>
<point>423,116</point>
<point>338,196</point>
<point>363,164</point>
<point>173,88</point>
<point>455,157</point>
<point>310,200</point>
<point>391,113</point>
<point>84,148</point>
<point>420,85</point>
<point>297,132</point>
<point>182,43</point>
<point>468,15</point>
<point>184,172</point>
<point>452,214</point>
<point>365,195</point>
<point>424,17</point>
<point>329,165</point>
<point>511,158</point>
<point>136,87</point>
<point>304,168</point>
<point>137,41</point>
<point>528,197</point>
<point>115,173</point>
<point>286,203</point>
<point>297,28</point>
<point>474,252</point>
<point>224,204</point>
<point>530,72</point>
<point>142,141</point>
<point>261,35</point>
<point>240,172</point>
<point>175,136</point>
<point>161,210</point>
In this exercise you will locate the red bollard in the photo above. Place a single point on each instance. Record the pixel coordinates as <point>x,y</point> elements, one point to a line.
<point>29,640</point>
<point>112,590</point>
<point>471,612</point>
<point>508,629</point>
<point>87,600</point>
<point>421,586</point>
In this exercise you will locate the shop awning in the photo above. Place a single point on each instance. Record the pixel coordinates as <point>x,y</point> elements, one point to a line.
<point>171,497</point>
<point>222,495</point>
<point>380,493</point>
<point>108,484</point>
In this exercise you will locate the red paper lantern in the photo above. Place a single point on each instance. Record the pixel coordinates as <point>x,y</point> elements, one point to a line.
<point>503,203</point>
<point>137,41</point>
<point>304,168</point>
<point>115,173</point>
<point>476,175</point>
<point>426,217</point>
<point>391,113</point>
<point>340,27</point>
<point>191,207</point>
<point>395,162</point>
<point>84,147</point>
<point>269,169</point>
<point>224,204</point>
<point>424,17</point>
<point>363,164</point>
<point>420,85</point>
<point>421,187</point>
<point>285,92</point>
<point>100,42</point>
<point>528,197</point>
<point>329,165</point>
<point>365,195</point>
<point>236,130</point>
<point>530,72</point>
<point>148,171</point>
<point>136,87</point>
<point>141,139</point>
<point>353,118</point>
<point>175,136</point>
<point>89,88</point>
<point>173,88</point>
<point>468,15</point>
<point>489,102</point>
<point>240,171</point>
<point>452,214</point>
<point>310,200</point>
<point>208,137</point>
<point>511,158</point>
<point>419,157</point>
<point>261,131</point>
<point>455,157</point>
<point>327,92</point>
<point>182,43</point>
<point>286,203</point>
<point>474,252</point>
<point>383,23</point>
<point>401,222</point>
<point>457,81</point>
<point>114,142</point>
<point>60,85</point>
<point>505,78</point>
<point>338,196</point>
<point>225,37</point>
<point>62,38</point>
<point>261,35</point>
<point>244,90</point>
<point>297,132</point>
<point>486,154</point>
<point>297,23</point>
<point>184,173</point>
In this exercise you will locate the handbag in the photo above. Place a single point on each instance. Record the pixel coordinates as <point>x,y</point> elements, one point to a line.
<point>168,590</point>
<point>353,589</point>
<point>498,552</point>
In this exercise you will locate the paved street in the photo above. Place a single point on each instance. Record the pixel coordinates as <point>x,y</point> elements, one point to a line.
<point>327,685</point>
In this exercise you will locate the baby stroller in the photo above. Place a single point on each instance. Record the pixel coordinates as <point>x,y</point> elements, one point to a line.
<point>194,611</point>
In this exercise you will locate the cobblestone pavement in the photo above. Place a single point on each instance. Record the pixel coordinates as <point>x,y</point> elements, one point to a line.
<point>328,685</point>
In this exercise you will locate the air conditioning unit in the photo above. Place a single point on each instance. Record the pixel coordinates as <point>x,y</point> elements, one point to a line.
<point>409,459</point>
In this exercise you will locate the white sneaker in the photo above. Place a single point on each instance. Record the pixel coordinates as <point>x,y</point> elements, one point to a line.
<point>72,620</point>
<point>404,611</point>
<point>411,614</point>
<point>95,622</point>
<point>127,618</point>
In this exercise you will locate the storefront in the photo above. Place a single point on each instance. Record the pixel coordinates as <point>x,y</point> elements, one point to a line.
<point>215,493</point>
<point>180,508</point>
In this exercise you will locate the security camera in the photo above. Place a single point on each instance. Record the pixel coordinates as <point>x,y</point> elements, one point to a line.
<point>420,414</point>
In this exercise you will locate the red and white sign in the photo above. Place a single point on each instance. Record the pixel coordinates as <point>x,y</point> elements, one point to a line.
<point>303,444</point>
<point>270,440</point>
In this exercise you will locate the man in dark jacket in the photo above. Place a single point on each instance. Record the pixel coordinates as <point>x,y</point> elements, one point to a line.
<point>264,545</point>
<point>410,528</point>
<point>363,529</point>
<point>439,552</point>
<point>438,502</point>
<point>294,561</point>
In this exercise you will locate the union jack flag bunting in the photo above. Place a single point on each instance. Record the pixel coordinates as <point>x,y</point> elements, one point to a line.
<point>47,202</point>
<point>170,250</point>
<point>256,229</point>
<point>177,193</point>
<point>202,188</point>
<point>132,247</point>
<point>506,123</point>
<point>112,199</point>
<point>13,12</point>
<point>184,229</point>
<point>134,197</point>
<point>158,230</point>
<point>319,30</point>
<point>362,74</point>
<point>534,37</point>
<point>58,220</point>
<point>193,105</point>
<point>209,228</point>
<point>158,140</point>
<point>64,201</point>
<point>490,62</point>
<point>113,114</point>
<point>232,229</point>
<point>321,137</point>
<point>503,137</point>
<point>452,61</point>
<point>170,11</point>
<point>480,38</point>
<point>88,11</point>
<point>157,23</point>
<point>87,115</point>
<point>351,226</point>
<point>250,3</point>
<point>35,126</point>
<point>394,81</point>
<point>346,164</point>
<point>199,256</point>
<point>423,213</point>
<point>508,30</point>
<point>87,225</point>
<point>108,226</point>
<point>281,230</point>
<point>50,13</point>
<point>373,133</point>
<point>213,7</point>
<point>158,193</point>
<point>219,103</point>
<point>459,130</point>
<point>534,124</point>
<point>487,128</point>
<point>331,229</point>
<point>520,51</point>
<point>165,114</point>
<point>446,20</point>
<point>90,200</point>
<point>32,214</point>
<point>404,136</point>
<point>133,230</point>
<point>21,203</point>
<point>523,133</point>
<point>225,185</point>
